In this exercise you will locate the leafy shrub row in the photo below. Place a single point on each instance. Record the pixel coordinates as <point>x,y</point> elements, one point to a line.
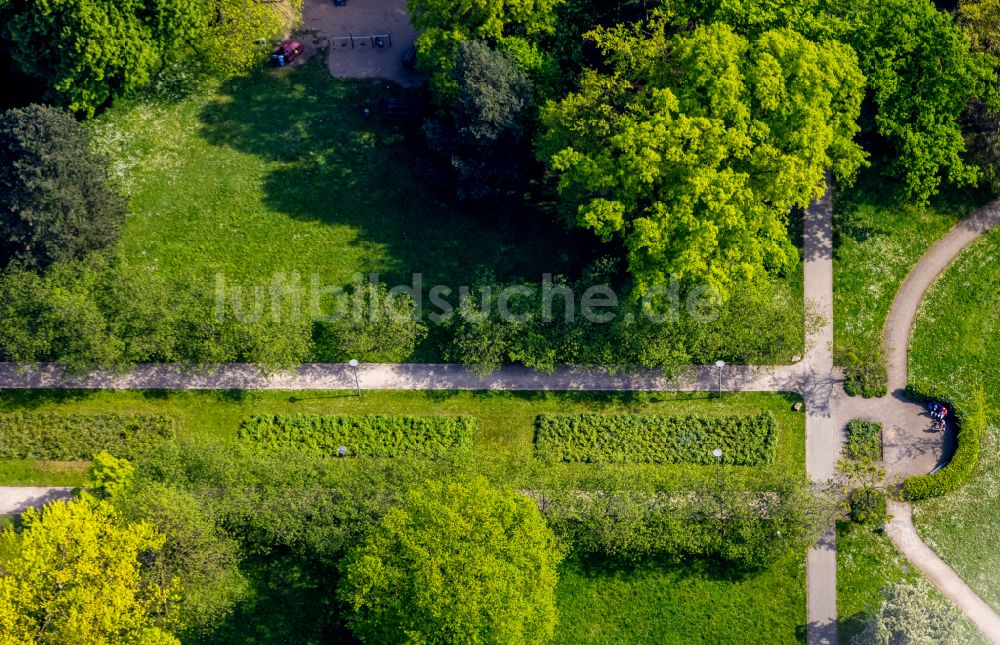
<point>865,376</point>
<point>748,529</point>
<point>29,435</point>
<point>864,440</point>
<point>364,436</point>
<point>970,430</point>
<point>597,438</point>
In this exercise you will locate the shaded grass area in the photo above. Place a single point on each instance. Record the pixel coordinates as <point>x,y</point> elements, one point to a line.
<point>692,604</point>
<point>866,562</point>
<point>878,237</point>
<point>956,349</point>
<point>279,173</point>
<point>503,447</point>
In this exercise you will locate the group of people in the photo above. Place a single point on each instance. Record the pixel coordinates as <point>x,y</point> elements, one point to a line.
<point>938,412</point>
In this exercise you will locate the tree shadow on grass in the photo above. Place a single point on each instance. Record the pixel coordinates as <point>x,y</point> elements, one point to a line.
<point>716,570</point>
<point>333,165</point>
<point>876,191</point>
<point>11,399</point>
<point>291,602</point>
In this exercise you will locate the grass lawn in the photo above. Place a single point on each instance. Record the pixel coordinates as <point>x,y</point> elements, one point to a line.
<point>878,237</point>
<point>866,562</point>
<point>280,173</point>
<point>956,347</point>
<point>681,605</point>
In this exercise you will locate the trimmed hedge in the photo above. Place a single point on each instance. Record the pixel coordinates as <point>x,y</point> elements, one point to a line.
<point>971,427</point>
<point>364,436</point>
<point>864,440</point>
<point>632,438</point>
<point>32,435</point>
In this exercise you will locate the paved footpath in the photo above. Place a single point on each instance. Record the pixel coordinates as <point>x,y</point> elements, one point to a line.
<point>823,439</point>
<point>412,376</point>
<point>904,535</point>
<point>14,500</point>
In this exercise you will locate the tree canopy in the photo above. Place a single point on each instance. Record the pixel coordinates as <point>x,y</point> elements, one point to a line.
<point>922,74</point>
<point>693,149</point>
<point>55,202</point>
<point>73,575</point>
<point>485,141</point>
<point>911,614</point>
<point>455,563</point>
<point>90,51</point>
<point>445,24</point>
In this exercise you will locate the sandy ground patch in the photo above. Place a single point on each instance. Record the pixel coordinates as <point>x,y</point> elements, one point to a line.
<point>325,25</point>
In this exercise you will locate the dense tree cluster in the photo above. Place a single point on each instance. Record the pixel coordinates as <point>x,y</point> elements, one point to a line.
<point>55,203</point>
<point>73,574</point>
<point>456,562</point>
<point>694,149</point>
<point>688,132</point>
<point>90,51</point>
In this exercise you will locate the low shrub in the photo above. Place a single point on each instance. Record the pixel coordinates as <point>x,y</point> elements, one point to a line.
<point>597,438</point>
<point>363,436</point>
<point>971,427</point>
<point>747,529</point>
<point>864,440</point>
<point>865,376</point>
<point>869,506</point>
<point>30,435</point>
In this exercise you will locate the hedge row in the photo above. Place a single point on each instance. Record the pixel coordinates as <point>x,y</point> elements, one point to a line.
<point>971,427</point>
<point>864,440</point>
<point>633,438</point>
<point>364,436</point>
<point>32,435</point>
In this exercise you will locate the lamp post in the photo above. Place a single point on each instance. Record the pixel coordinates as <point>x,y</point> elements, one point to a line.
<point>357,383</point>
<point>720,364</point>
<point>717,453</point>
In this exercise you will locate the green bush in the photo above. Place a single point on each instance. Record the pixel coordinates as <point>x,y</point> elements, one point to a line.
<point>971,427</point>
<point>865,376</point>
<point>868,506</point>
<point>864,440</point>
<point>363,436</point>
<point>28,435</point>
<point>722,521</point>
<point>633,438</point>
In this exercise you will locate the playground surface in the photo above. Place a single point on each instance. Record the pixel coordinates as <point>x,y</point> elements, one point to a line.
<point>348,33</point>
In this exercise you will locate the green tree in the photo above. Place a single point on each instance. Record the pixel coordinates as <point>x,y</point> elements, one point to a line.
<point>694,148</point>
<point>456,563</point>
<point>196,553</point>
<point>108,475</point>
<point>922,75</point>
<point>91,51</point>
<point>911,613</point>
<point>99,313</point>
<point>372,325</point>
<point>87,50</point>
<point>445,24</point>
<point>54,198</point>
<point>485,141</point>
<point>72,574</point>
<point>53,317</point>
